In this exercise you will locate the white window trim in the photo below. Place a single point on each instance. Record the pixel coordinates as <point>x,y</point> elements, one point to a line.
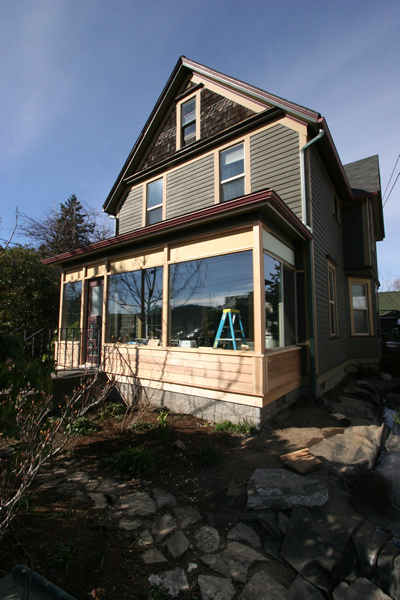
<point>221,181</point>
<point>179,104</point>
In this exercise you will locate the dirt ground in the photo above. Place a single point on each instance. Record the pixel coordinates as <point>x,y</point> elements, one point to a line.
<point>96,552</point>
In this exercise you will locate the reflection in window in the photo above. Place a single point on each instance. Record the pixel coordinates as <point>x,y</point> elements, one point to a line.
<point>134,306</point>
<point>232,173</point>
<point>71,308</point>
<point>360,308</point>
<point>189,122</point>
<point>154,202</point>
<point>201,289</point>
<point>280,320</point>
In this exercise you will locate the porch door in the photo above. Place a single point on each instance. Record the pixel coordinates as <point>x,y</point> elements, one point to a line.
<point>94,321</point>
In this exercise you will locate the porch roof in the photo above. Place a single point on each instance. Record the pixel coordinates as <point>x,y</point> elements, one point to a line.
<point>267,202</point>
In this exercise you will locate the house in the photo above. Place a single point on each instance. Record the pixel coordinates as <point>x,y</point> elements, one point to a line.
<point>389,311</point>
<point>243,268</point>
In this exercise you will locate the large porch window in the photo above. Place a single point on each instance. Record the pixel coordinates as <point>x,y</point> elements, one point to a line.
<point>134,306</point>
<point>280,318</point>
<point>71,309</point>
<point>199,292</point>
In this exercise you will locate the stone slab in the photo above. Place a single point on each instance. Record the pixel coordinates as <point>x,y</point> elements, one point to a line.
<point>163,498</point>
<point>278,488</point>
<point>244,533</point>
<point>368,542</point>
<point>262,585</point>
<point>153,556</point>
<point>215,588</point>
<point>301,589</point>
<point>234,561</point>
<point>163,526</point>
<point>207,539</point>
<point>175,581</point>
<point>177,545</point>
<point>187,515</point>
<point>362,589</point>
<point>138,504</point>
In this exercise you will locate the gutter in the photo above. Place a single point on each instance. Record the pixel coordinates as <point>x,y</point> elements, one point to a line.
<point>310,265</point>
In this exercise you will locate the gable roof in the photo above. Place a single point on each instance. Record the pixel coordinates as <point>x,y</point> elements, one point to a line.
<point>183,70</point>
<point>389,304</point>
<point>365,181</point>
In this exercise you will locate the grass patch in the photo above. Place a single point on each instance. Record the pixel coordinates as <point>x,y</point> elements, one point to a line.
<point>243,427</point>
<point>62,556</point>
<point>158,593</point>
<point>209,456</point>
<point>81,426</point>
<point>142,425</point>
<point>135,462</point>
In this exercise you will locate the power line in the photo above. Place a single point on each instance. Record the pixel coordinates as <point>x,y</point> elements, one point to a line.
<point>394,168</point>
<point>398,175</point>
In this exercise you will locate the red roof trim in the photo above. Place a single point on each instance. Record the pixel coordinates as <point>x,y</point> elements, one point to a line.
<point>217,211</point>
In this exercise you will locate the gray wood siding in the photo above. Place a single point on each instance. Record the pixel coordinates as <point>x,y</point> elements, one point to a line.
<point>130,213</point>
<point>190,187</point>
<point>275,163</point>
<point>328,242</point>
<point>353,238</point>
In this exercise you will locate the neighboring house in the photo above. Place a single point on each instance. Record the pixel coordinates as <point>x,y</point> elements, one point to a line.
<point>389,311</point>
<point>232,199</point>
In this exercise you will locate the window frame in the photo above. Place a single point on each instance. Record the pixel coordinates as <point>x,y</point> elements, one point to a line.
<point>223,182</point>
<point>332,302</point>
<point>281,304</point>
<point>157,206</point>
<point>179,127</point>
<point>368,296</point>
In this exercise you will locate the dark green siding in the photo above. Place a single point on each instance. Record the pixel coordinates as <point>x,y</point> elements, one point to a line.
<point>130,213</point>
<point>353,239</point>
<point>275,163</point>
<point>190,187</point>
<point>328,242</point>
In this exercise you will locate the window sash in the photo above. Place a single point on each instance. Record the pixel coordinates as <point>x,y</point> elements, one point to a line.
<point>155,193</point>
<point>360,305</point>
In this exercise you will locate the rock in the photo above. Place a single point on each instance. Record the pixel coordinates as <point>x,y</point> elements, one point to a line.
<point>262,585</point>
<point>362,589</point>
<point>234,561</point>
<point>163,526</point>
<point>207,539</point>
<point>153,556</point>
<point>175,581</point>
<point>163,498</point>
<point>277,488</point>
<point>177,544</point>
<point>243,533</point>
<point>353,453</point>
<point>138,504</point>
<point>317,543</point>
<point>129,525</point>
<point>266,518</point>
<point>145,538</point>
<point>192,567</point>
<point>215,588</point>
<point>368,541</point>
<point>283,522</point>
<point>187,515</point>
<point>386,376</point>
<point>236,496</point>
<point>99,499</point>
<point>388,570</point>
<point>111,486</point>
<point>78,477</point>
<point>301,589</point>
<point>272,546</point>
<point>392,443</point>
<point>180,445</point>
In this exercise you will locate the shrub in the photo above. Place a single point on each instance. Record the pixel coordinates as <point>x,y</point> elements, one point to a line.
<point>243,427</point>
<point>209,456</point>
<point>135,462</point>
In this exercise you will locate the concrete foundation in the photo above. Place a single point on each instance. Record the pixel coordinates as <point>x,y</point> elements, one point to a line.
<point>213,411</point>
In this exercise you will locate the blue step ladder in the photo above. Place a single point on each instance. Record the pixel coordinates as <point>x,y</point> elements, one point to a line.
<point>232,315</point>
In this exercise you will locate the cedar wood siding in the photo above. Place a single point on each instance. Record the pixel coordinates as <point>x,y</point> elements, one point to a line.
<point>191,187</point>
<point>218,113</point>
<point>353,241</point>
<point>130,213</point>
<point>328,242</point>
<point>275,163</point>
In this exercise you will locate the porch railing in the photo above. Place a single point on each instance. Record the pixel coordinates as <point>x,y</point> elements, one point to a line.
<point>76,348</point>
<point>39,344</point>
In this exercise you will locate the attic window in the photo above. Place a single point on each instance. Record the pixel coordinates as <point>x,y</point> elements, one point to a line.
<point>188,121</point>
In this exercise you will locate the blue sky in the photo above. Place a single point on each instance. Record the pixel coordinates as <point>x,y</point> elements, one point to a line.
<point>80,77</point>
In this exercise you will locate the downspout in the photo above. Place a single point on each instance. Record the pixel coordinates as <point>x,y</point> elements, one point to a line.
<point>310,266</point>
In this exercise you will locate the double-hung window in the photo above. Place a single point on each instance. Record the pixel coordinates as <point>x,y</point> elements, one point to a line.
<point>154,202</point>
<point>188,122</point>
<point>360,305</point>
<point>332,301</point>
<point>232,172</point>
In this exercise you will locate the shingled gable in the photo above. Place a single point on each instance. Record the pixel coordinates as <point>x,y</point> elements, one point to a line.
<point>241,103</point>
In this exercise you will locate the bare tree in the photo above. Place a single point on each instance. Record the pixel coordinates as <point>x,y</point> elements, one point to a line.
<point>67,227</point>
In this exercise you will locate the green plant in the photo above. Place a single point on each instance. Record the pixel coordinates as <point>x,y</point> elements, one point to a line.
<point>158,593</point>
<point>209,456</point>
<point>63,556</point>
<point>135,462</point>
<point>82,426</point>
<point>243,427</point>
<point>114,410</point>
<point>142,425</point>
<point>162,418</point>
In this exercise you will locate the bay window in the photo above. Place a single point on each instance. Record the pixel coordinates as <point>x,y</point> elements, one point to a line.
<point>280,318</point>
